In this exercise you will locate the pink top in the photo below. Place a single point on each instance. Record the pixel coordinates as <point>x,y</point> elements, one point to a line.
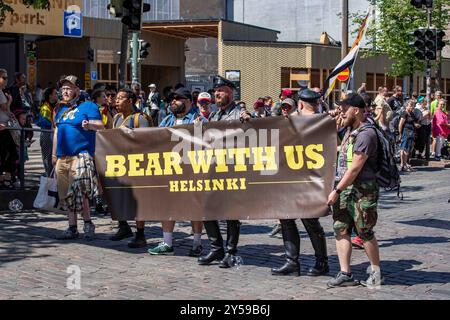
<point>439,125</point>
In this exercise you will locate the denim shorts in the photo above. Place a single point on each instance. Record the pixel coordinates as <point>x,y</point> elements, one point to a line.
<point>407,141</point>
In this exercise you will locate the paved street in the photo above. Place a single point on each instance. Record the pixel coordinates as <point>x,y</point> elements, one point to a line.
<point>413,234</point>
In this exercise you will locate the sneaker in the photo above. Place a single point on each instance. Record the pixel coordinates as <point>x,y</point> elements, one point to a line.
<point>374,281</point>
<point>162,249</point>
<point>68,234</point>
<point>89,231</point>
<point>196,252</point>
<point>100,209</point>
<point>357,243</point>
<point>137,242</point>
<point>276,229</point>
<point>342,280</point>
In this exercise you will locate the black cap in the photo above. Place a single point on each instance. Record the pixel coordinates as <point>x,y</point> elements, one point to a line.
<point>219,81</point>
<point>308,95</point>
<point>353,100</point>
<point>182,93</point>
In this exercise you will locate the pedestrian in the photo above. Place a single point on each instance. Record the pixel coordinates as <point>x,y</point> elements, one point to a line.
<point>355,197</point>
<point>268,104</point>
<point>406,128</point>
<point>227,110</point>
<point>309,105</point>
<point>73,151</point>
<point>440,127</point>
<point>260,109</point>
<point>396,101</point>
<point>111,93</point>
<point>140,102</point>
<point>182,112</point>
<point>383,112</point>
<point>128,117</point>
<point>46,122</point>
<point>20,80</point>
<point>99,98</point>
<point>285,93</point>
<point>203,103</point>
<point>153,104</point>
<point>435,102</point>
<point>424,132</point>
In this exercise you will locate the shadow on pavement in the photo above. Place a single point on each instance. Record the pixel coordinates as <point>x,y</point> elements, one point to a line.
<point>430,223</point>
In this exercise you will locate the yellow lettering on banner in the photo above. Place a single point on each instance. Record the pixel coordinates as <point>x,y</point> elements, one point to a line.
<point>115,166</point>
<point>317,159</point>
<point>183,186</point>
<point>172,160</point>
<point>207,185</point>
<point>243,183</point>
<point>153,164</point>
<point>191,186</point>
<point>199,162</point>
<point>239,155</point>
<point>290,157</point>
<point>173,186</point>
<point>232,184</point>
<point>218,184</point>
<point>221,160</point>
<point>268,158</point>
<point>133,162</point>
<point>199,185</point>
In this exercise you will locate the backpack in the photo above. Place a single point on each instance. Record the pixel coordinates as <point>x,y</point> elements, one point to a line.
<point>135,123</point>
<point>387,175</point>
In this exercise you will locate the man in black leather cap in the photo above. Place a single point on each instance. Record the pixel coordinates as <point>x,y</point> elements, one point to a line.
<point>308,105</point>
<point>227,110</point>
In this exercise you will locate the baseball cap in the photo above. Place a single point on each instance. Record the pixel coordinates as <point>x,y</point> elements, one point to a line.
<point>204,96</point>
<point>286,92</point>
<point>353,100</point>
<point>72,79</point>
<point>420,99</point>
<point>288,101</point>
<point>219,81</point>
<point>182,93</point>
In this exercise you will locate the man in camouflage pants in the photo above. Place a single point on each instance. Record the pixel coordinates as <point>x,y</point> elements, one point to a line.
<point>355,198</point>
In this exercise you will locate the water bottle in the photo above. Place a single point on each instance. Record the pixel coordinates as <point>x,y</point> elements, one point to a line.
<point>15,205</point>
<point>236,262</point>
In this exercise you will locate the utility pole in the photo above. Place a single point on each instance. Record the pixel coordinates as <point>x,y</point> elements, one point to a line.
<point>134,57</point>
<point>344,47</point>
<point>428,71</point>
<point>123,56</point>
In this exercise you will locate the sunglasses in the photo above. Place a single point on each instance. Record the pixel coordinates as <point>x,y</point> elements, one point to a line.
<point>111,95</point>
<point>4,78</point>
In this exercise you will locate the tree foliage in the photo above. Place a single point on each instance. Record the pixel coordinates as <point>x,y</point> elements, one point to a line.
<point>36,4</point>
<point>389,32</point>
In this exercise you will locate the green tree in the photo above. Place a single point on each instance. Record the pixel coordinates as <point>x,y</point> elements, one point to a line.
<point>389,32</point>
<point>36,4</point>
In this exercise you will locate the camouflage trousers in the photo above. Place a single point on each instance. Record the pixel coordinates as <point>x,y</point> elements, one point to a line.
<point>356,209</point>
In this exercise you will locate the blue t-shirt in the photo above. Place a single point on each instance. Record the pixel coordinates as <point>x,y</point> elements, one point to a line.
<point>72,138</point>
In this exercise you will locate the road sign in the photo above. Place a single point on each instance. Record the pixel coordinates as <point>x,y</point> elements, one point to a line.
<point>344,75</point>
<point>93,75</point>
<point>73,22</point>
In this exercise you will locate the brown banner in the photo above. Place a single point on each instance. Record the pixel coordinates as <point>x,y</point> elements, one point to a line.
<point>263,169</point>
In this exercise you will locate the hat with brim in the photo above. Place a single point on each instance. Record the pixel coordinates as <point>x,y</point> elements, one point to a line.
<point>181,93</point>
<point>71,79</point>
<point>152,85</point>
<point>352,100</point>
<point>219,81</point>
<point>289,102</point>
<point>308,95</point>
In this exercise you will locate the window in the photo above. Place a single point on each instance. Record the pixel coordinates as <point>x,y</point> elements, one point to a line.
<point>379,82</point>
<point>370,82</point>
<point>315,78</point>
<point>292,77</point>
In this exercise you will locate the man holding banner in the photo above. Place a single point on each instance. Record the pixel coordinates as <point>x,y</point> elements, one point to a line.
<point>228,110</point>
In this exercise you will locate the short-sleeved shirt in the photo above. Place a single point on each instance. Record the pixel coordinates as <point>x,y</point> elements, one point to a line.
<point>72,138</point>
<point>395,103</point>
<point>410,118</point>
<point>129,122</point>
<point>190,117</point>
<point>366,142</point>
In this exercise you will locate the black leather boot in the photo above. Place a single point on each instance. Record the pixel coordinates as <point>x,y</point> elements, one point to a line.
<point>318,241</point>
<point>216,243</point>
<point>123,232</point>
<point>227,261</point>
<point>233,231</point>
<point>291,241</point>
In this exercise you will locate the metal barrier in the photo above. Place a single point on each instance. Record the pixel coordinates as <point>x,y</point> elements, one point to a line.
<point>22,150</point>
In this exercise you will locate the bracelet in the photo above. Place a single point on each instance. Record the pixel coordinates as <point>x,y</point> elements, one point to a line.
<point>338,191</point>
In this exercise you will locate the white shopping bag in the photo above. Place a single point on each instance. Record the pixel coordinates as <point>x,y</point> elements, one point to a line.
<point>47,197</point>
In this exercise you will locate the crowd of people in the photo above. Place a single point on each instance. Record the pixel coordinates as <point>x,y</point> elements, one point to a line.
<point>75,116</point>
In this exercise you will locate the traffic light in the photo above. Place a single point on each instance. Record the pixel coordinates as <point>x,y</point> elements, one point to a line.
<point>143,49</point>
<point>132,15</point>
<point>90,55</point>
<point>439,40</point>
<point>115,8</point>
<point>419,43</point>
<point>430,44</point>
<point>419,4</point>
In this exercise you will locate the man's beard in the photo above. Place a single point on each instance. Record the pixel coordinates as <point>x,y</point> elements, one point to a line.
<point>225,101</point>
<point>177,109</point>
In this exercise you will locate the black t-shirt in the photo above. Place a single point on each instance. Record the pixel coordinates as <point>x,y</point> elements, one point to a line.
<point>410,118</point>
<point>366,142</point>
<point>395,103</point>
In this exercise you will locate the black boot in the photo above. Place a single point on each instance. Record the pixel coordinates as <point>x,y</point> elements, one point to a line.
<point>123,232</point>
<point>291,241</point>
<point>139,240</point>
<point>318,241</point>
<point>216,243</point>
<point>233,231</point>
<point>227,261</point>
<point>212,256</point>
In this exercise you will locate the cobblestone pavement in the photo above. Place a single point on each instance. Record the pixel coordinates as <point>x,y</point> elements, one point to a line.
<point>413,236</point>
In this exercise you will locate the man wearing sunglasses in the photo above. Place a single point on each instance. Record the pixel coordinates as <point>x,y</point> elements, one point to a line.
<point>111,94</point>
